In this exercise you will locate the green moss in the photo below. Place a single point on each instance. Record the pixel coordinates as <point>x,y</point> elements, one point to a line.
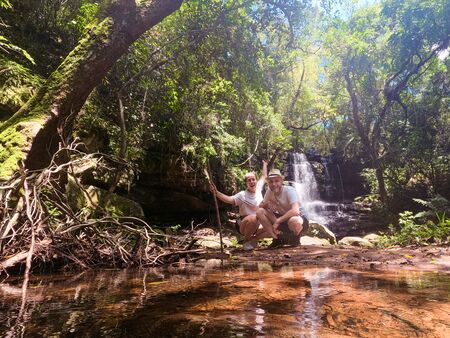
<point>17,133</point>
<point>92,197</point>
<point>11,143</point>
<point>97,33</point>
<point>14,141</point>
<point>75,195</point>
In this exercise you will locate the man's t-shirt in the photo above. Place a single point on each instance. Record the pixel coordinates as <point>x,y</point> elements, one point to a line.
<point>248,202</point>
<point>283,202</point>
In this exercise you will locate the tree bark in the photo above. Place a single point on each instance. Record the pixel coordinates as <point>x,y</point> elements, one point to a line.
<point>31,135</point>
<point>381,182</point>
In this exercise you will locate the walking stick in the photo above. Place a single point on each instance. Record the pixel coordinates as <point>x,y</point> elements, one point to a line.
<point>208,176</point>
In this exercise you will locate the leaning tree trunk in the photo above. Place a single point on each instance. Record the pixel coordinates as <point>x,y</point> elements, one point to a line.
<point>30,136</point>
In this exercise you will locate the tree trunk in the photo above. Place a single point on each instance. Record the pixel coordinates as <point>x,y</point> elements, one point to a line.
<point>381,183</point>
<point>31,135</point>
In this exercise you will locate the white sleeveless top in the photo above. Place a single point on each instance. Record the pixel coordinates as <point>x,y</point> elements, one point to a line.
<point>248,202</point>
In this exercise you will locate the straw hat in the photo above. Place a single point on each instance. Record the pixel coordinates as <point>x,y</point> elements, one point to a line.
<point>275,173</point>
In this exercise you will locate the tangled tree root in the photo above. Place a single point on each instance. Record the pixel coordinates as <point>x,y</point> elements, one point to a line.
<point>39,226</point>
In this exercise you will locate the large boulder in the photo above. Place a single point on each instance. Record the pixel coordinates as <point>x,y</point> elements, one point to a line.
<point>321,231</point>
<point>356,241</point>
<point>213,241</point>
<point>172,193</point>
<point>75,193</point>
<point>373,238</point>
<point>91,197</point>
<point>116,205</point>
<point>308,240</point>
<point>85,168</point>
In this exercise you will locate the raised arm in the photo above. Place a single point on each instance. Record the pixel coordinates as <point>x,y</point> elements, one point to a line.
<point>262,179</point>
<point>264,170</point>
<point>221,196</point>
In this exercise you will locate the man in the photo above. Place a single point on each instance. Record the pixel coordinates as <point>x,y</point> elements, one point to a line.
<point>280,209</point>
<point>247,201</point>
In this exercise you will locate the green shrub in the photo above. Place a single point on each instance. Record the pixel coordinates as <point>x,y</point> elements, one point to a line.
<point>420,233</point>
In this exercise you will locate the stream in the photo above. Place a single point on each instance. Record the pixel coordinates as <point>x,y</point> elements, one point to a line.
<point>208,299</point>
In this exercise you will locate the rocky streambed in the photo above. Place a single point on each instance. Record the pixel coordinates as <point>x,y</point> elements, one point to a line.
<point>319,247</point>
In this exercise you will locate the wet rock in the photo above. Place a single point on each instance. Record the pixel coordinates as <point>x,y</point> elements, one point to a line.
<point>321,231</point>
<point>212,241</point>
<point>309,240</point>
<point>356,241</point>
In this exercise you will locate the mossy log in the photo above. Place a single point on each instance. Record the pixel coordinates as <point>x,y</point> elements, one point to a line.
<point>30,135</point>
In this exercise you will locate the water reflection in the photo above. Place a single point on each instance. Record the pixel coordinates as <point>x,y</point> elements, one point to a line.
<point>258,300</point>
<point>310,318</point>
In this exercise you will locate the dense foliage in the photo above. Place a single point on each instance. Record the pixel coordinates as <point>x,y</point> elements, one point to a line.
<point>431,226</point>
<point>232,82</point>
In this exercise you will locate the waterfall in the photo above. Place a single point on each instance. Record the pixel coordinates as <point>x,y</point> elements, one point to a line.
<point>303,176</point>
<point>300,171</point>
<point>341,217</point>
<point>328,184</point>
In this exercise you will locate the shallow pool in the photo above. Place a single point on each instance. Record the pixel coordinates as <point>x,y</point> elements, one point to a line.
<point>214,300</point>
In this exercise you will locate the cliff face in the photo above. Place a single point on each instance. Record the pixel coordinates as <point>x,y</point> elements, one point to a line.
<point>169,193</point>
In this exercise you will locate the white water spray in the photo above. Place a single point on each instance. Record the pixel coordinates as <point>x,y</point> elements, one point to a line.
<point>307,189</point>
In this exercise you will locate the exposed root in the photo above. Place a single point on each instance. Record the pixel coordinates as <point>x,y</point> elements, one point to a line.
<point>35,213</point>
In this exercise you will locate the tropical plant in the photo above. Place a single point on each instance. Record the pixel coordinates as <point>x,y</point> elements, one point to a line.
<point>426,227</point>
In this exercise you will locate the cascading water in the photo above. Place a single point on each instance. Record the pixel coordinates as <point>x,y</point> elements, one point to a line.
<point>301,174</point>
<point>343,217</point>
<point>304,178</point>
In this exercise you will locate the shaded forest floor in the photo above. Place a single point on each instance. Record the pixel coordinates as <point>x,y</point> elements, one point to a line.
<point>430,258</point>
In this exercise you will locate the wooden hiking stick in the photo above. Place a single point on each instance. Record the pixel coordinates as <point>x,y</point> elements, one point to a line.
<point>208,176</point>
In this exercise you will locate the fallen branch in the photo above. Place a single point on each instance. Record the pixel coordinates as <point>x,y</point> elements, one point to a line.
<point>21,256</point>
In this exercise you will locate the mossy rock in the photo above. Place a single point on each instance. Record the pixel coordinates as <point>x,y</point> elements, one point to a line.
<point>373,238</point>
<point>92,197</point>
<point>75,195</point>
<point>356,241</point>
<point>321,231</point>
<point>12,142</point>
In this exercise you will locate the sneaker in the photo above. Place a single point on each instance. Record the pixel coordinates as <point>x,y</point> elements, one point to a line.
<point>276,243</point>
<point>294,240</point>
